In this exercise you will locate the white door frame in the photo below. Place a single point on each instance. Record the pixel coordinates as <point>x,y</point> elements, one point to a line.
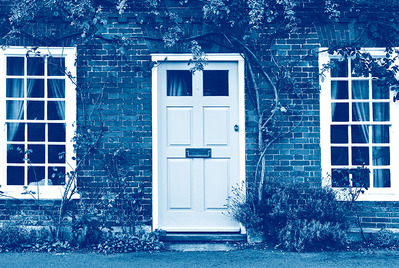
<point>157,58</point>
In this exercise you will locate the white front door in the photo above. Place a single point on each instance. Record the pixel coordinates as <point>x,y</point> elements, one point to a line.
<point>198,136</point>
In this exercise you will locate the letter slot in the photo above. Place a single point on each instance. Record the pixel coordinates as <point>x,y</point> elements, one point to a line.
<point>198,153</point>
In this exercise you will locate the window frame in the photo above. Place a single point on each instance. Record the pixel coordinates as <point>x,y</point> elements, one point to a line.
<point>372,194</point>
<point>41,191</point>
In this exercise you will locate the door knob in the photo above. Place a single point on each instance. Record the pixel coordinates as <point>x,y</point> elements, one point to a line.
<point>236,128</point>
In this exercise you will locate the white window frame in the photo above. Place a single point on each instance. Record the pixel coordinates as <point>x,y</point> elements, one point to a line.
<point>372,194</point>
<point>45,191</point>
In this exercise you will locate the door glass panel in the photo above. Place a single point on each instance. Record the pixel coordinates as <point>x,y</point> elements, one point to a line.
<point>381,112</point>
<point>360,156</point>
<point>339,156</point>
<point>360,111</point>
<point>35,66</point>
<point>380,134</point>
<point>339,68</point>
<point>15,66</point>
<point>35,88</point>
<point>340,112</point>
<point>179,83</point>
<point>14,88</point>
<point>15,175</point>
<point>339,134</point>
<point>381,156</point>
<point>360,133</point>
<point>381,178</point>
<point>360,89</point>
<point>216,83</point>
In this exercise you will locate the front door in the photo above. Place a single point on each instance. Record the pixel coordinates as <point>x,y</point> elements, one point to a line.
<point>198,135</point>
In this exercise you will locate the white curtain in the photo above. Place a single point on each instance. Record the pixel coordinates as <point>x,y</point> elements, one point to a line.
<point>178,83</point>
<point>58,90</point>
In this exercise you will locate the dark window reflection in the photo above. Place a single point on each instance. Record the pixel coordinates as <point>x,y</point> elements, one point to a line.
<point>339,156</point>
<point>56,153</point>
<point>15,175</point>
<point>15,110</point>
<point>340,112</point>
<point>15,66</point>
<point>380,90</point>
<point>36,132</point>
<point>15,153</point>
<point>36,175</point>
<point>179,83</point>
<point>381,112</point>
<point>380,134</point>
<point>56,88</point>
<point>360,89</point>
<point>339,90</point>
<point>15,132</point>
<point>56,110</point>
<point>360,133</point>
<point>35,110</point>
<point>36,153</point>
<point>35,88</point>
<point>360,111</point>
<point>382,178</point>
<point>35,66</point>
<point>339,134</point>
<point>339,68</point>
<point>14,88</point>
<point>340,178</point>
<point>56,132</point>
<point>216,83</point>
<point>56,66</point>
<point>361,177</point>
<point>360,156</point>
<point>56,175</point>
<point>381,156</point>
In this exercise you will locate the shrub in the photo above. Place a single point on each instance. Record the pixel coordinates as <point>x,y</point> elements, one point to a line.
<point>384,238</point>
<point>293,216</point>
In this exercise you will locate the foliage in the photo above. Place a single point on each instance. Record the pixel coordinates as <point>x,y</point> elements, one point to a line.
<point>384,238</point>
<point>293,216</point>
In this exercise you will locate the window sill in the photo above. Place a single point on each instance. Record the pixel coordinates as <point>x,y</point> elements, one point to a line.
<point>30,193</point>
<point>369,196</point>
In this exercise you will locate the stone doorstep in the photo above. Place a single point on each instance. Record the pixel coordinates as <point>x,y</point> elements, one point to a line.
<point>193,247</point>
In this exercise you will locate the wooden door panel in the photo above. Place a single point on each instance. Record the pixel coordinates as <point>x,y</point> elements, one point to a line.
<point>217,185</point>
<point>216,126</point>
<point>179,183</point>
<point>179,126</point>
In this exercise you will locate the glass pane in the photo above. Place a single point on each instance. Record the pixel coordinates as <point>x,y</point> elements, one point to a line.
<point>15,66</point>
<point>36,132</point>
<point>381,156</point>
<point>56,132</point>
<point>361,177</point>
<point>360,156</point>
<point>380,91</point>
<point>15,153</point>
<point>56,66</point>
<point>15,110</point>
<point>380,134</point>
<point>381,178</point>
<point>179,83</point>
<point>360,134</point>
<point>381,112</point>
<point>339,156</point>
<point>216,83</point>
<point>35,66</point>
<point>56,88</point>
<point>36,175</point>
<point>360,89</point>
<point>15,132</point>
<point>339,68</point>
<point>339,134</point>
<point>35,110</point>
<point>340,112</point>
<point>340,178</point>
<point>15,175</point>
<point>56,175</point>
<point>36,153</point>
<point>56,153</point>
<point>15,88</point>
<point>360,111</point>
<point>339,90</point>
<point>56,110</point>
<point>35,88</point>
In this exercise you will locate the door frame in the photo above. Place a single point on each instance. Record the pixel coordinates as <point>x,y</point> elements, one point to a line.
<point>211,57</point>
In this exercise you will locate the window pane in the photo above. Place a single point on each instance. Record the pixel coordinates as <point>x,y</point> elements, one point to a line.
<point>216,83</point>
<point>380,134</point>
<point>340,178</point>
<point>15,132</point>
<point>339,68</point>
<point>339,90</point>
<point>179,83</point>
<point>381,112</point>
<point>15,110</point>
<point>56,66</point>
<point>15,88</point>
<point>35,66</point>
<point>36,175</point>
<point>36,132</point>
<point>56,153</point>
<point>15,175</point>
<point>36,153</point>
<point>340,112</point>
<point>380,91</point>
<point>56,110</point>
<point>361,177</point>
<point>339,156</point>
<point>339,134</point>
<point>15,66</point>
<point>381,156</point>
<point>360,89</point>
<point>35,88</point>
<point>56,88</point>
<point>56,175</point>
<point>56,132</point>
<point>360,111</point>
<point>35,110</point>
<point>381,178</point>
<point>360,133</point>
<point>15,153</point>
<point>360,156</point>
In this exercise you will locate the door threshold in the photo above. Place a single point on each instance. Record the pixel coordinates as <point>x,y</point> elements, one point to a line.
<point>192,237</point>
